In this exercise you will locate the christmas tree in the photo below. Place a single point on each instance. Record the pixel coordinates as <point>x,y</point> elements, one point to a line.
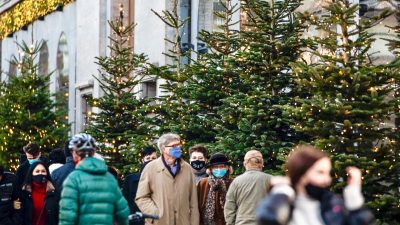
<point>194,87</point>
<point>346,102</point>
<point>120,123</point>
<point>213,76</point>
<point>169,109</point>
<point>253,116</point>
<point>27,110</point>
<point>394,43</point>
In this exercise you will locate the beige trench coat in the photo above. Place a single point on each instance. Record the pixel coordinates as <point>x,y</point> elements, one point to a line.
<point>173,199</point>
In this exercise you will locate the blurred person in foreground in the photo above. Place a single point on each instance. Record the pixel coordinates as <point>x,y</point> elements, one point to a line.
<point>303,198</point>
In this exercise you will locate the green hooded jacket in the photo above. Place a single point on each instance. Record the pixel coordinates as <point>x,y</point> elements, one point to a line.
<point>91,195</point>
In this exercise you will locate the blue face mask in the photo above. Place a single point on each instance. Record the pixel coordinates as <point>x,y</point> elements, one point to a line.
<point>32,161</point>
<point>219,172</point>
<point>175,152</point>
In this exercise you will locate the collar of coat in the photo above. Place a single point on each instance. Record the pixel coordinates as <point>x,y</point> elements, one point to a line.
<point>161,166</point>
<point>49,188</point>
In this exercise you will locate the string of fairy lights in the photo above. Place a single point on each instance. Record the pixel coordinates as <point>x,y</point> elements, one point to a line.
<point>26,12</point>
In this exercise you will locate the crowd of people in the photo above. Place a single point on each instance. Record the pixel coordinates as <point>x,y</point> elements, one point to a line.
<point>75,187</point>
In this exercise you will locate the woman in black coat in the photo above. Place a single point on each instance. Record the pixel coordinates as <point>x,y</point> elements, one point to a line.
<point>39,197</point>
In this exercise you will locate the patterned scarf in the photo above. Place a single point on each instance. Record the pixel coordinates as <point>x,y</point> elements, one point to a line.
<point>217,185</point>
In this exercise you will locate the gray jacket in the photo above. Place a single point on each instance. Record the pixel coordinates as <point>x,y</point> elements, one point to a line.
<point>244,194</point>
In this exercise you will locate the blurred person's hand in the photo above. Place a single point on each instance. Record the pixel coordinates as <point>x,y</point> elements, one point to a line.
<point>353,176</point>
<point>276,180</point>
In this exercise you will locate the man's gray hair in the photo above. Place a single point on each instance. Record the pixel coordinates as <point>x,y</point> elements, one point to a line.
<point>167,138</point>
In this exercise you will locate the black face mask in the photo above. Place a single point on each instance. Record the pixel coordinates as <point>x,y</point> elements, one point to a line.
<point>315,192</point>
<point>41,179</point>
<point>198,164</point>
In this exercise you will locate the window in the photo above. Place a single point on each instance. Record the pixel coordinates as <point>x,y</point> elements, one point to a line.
<point>370,8</point>
<point>86,110</point>
<point>62,84</point>
<point>149,90</point>
<point>217,21</point>
<point>44,60</point>
<point>12,69</point>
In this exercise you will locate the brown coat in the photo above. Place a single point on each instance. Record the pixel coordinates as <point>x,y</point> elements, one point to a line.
<point>203,188</point>
<point>173,199</point>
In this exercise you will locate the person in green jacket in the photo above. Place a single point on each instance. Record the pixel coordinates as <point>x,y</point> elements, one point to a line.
<point>90,194</point>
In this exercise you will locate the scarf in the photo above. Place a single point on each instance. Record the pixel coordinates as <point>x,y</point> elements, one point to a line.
<point>217,186</point>
<point>38,198</point>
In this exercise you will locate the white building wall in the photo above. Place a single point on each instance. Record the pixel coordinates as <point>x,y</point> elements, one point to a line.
<point>150,32</point>
<point>88,47</point>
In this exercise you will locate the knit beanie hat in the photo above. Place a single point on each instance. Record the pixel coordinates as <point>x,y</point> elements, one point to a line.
<point>300,160</point>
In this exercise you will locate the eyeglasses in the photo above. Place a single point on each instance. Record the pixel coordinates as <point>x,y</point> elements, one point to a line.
<point>174,145</point>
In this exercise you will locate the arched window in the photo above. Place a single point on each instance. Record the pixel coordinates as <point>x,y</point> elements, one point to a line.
<point>62,84</point>
<point>12,69</point>
<point>44,59</point>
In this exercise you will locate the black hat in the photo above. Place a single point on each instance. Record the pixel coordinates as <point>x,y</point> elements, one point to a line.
<point>219,158</point>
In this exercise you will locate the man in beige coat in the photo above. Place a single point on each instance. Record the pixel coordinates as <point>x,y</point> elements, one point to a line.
<point>167,186</point>
<point>246,191</point>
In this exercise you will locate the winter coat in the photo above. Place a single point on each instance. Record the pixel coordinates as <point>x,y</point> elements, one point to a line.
<point>129,189</point>
<point>21,172</point>
<point>173,199</point>
<point>244,194</point>
<point>50,204</point>
<point>61,173</point>
<point>203,187</point>
<point>200,176</point>
<point>91,196</point>
<point>54,166</point>
<point>277,209</point>
<point>9,191</point>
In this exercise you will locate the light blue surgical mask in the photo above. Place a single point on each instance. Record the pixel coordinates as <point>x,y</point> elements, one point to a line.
<point>175,152</point>
<point>219,172</point>
<point>32,161</point>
